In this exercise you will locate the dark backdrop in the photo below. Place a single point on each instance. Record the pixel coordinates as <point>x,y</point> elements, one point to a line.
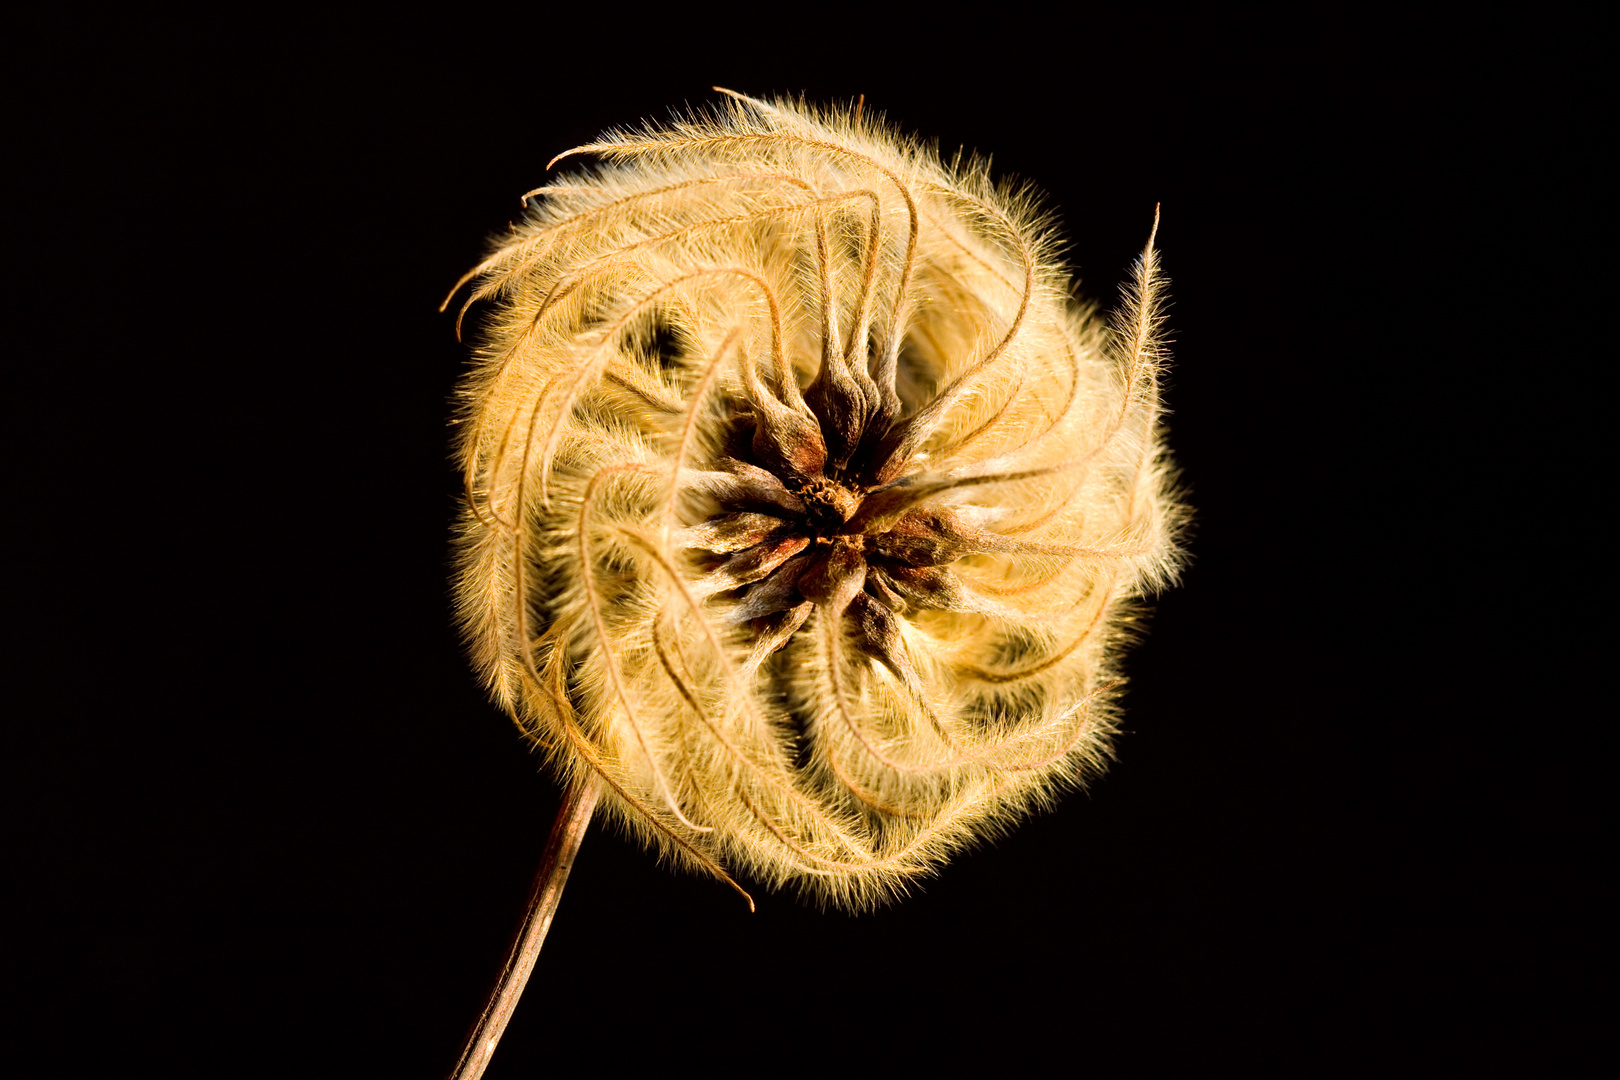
<point>260,821</point>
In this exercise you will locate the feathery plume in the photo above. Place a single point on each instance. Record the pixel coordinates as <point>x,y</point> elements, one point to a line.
<point>805,509</point>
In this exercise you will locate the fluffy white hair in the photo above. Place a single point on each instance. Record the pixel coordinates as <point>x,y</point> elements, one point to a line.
<point>805,507</point>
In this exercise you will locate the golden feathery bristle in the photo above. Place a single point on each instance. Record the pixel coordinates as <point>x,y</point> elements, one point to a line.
<point>805,508</point>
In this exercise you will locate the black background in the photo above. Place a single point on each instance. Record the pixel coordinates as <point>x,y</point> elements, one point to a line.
<point>260,821</point>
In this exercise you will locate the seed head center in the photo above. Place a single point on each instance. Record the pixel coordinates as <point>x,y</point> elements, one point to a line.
<point>829,505</point>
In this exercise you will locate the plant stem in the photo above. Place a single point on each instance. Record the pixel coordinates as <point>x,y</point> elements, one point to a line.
<point>566,833</point>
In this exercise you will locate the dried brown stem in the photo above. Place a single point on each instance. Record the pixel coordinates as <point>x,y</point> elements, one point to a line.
<point>574,816</point>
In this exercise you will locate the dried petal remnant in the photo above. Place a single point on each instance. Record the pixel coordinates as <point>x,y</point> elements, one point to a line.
<point>803,502</point>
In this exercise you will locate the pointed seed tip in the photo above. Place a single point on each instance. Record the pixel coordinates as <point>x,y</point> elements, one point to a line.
<point>571,151</point>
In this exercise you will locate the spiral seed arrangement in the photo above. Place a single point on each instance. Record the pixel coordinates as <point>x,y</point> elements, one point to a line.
<point>805,508</point>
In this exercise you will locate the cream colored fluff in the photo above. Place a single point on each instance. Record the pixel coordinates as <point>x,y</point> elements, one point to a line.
<point>804,505</point>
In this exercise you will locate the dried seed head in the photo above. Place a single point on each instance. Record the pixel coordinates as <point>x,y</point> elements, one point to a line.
<point>804,506</point>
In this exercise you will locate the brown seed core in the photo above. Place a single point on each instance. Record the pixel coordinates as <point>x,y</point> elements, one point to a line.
<point>830,505</point>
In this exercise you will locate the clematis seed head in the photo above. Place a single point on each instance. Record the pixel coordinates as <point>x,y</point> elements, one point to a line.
<point>805,507</point>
